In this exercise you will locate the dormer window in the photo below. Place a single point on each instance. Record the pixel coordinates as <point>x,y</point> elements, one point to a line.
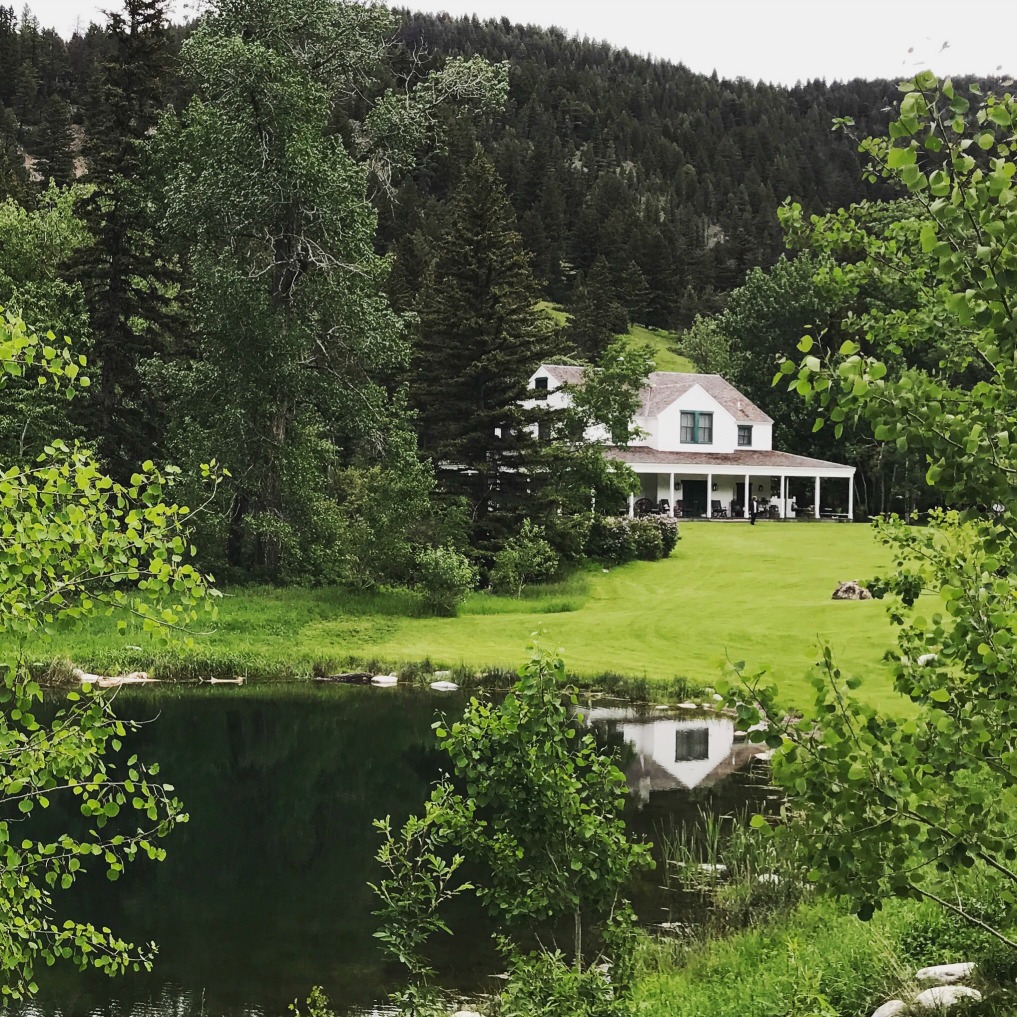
<point>744,435</point>
<point>540,386</point>
<point>696,428</point>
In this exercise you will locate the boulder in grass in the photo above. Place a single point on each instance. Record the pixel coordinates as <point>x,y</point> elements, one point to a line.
<point>944,974</point>
<point>891,1008</point>
<point>851,590</point>
<point>942,996</point>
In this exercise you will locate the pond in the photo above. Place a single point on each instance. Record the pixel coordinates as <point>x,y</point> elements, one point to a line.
<point>264,892</point>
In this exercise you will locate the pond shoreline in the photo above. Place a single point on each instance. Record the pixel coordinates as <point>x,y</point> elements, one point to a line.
<point>171,667</point>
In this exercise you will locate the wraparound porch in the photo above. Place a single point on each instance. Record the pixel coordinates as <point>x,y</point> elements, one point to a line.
<point>723,486</point>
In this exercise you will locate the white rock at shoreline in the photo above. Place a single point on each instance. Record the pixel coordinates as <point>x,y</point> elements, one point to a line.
<point>891,1008</point>
<point>944,974</point>
<point>444,686</point>
<point>385,680</point>
<point>943,996</point>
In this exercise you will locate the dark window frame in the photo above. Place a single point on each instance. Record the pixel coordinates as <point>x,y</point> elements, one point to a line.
<point>540,388</point>
<point>745,431</point>
<point>696,427</point>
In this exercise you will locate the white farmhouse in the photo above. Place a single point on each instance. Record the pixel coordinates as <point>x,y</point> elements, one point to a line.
<point>707,451</point>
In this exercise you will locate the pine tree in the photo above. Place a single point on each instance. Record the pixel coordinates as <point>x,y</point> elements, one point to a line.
<point>125,279</point>
<point>54,156</point>
<point>597,316</point>
<point>479,338</point>
<point>13,175</point>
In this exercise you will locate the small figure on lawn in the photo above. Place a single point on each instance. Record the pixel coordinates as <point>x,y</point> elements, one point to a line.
<point>752,511</point>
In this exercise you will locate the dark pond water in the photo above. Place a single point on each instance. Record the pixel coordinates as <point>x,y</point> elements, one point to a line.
<point>264,892</point>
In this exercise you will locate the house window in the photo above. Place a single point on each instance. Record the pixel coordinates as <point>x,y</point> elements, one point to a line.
<point>744,435</point>
<point>696,428</point>
<point>544,430</point>
<point>540,387</point>
<point>691,743</point>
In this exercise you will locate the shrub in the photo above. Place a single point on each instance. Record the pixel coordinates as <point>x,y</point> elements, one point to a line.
<point>611,540</point>
<point>525,558</point>
<point>444,578</point>
<point>569,535</point>
<point>544,985</point>
<point>668,533</point>
<point>646,539</point>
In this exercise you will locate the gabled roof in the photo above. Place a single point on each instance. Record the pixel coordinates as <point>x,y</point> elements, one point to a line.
<point>564,374</point>
<point>663,388</point>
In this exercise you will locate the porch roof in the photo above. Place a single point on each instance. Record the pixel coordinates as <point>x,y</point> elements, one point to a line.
<point>753,461</point>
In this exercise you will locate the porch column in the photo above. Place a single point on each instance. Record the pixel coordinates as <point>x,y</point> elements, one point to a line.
<point>671,491</point>
<point>709,496</point>
<point>783,496</point>
<point>816,506</point>
<point>851,499</point>
<point>748,497</point>
<point>632,506</point>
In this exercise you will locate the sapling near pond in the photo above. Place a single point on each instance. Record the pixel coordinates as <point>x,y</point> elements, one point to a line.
<point>535,806</point>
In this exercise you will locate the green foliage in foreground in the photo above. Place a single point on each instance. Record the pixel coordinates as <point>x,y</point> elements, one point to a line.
<point>75,545</point>
<point>886,807</point>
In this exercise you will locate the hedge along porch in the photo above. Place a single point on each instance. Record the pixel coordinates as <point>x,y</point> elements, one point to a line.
<point>693,484</point>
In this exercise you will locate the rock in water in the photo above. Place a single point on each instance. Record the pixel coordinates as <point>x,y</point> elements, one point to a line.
<point>444,686</point>
<point>851,590</point>
<point>891,1008</point>
<point>944,974</point>
<point>385,679</point>
<point>942,996</point>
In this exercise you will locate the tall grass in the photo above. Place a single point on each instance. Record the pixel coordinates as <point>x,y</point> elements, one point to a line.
<point>735,875</point>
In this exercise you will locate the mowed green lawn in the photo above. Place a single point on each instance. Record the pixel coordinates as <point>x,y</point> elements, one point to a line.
<point>729,592</point>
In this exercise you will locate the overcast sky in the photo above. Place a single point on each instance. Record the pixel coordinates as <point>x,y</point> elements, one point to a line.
<point>773,40</point>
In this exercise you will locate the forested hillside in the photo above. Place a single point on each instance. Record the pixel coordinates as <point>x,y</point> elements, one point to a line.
<point>673,177</point>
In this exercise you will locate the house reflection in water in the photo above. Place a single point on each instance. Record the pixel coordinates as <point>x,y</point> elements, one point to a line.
<point>674,753</point>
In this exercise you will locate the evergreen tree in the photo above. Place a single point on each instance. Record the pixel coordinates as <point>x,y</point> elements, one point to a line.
<point>633,292</point>
<point>123,273</point>
<point>13,175</point>
<point>54,156</point>
<point>479,338</point>
<point>597,316</point>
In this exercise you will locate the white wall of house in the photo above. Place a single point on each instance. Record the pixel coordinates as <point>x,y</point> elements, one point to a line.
<point>666,427</point>
<point>558,399</point>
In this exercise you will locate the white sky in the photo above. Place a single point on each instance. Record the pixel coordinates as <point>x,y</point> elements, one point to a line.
<point>773,40</point>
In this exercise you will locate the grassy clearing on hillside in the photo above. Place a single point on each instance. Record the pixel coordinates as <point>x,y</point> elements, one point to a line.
<point>660,341</point>
<point>661,344</point>
<point>729,592</point>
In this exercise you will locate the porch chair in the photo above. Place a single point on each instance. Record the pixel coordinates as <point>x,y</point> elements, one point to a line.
<point>717,510</point>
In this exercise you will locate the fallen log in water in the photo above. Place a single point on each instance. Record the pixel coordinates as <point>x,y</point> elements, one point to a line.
<point>348,678</point>
<point>110,681</point>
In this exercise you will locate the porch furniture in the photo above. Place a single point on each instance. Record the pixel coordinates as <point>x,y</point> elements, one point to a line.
<point>664,507</point>
<point>645,507</point>
<point>717,510</point>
